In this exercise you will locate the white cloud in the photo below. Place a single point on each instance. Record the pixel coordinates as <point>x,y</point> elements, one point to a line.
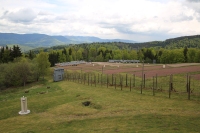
<point>22,15</point>
<point>142,20</point>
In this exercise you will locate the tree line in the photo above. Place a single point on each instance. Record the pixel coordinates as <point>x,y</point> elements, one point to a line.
<point>17,69</point>
<point>9,54</point>
<point>103,52</point>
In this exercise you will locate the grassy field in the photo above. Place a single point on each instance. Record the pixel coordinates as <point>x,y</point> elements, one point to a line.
<point>60,109</point>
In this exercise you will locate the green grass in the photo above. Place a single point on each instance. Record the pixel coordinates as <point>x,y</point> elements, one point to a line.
<point>60,109</point>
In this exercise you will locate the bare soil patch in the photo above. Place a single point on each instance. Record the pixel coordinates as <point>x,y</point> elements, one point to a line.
<point>136,68</point>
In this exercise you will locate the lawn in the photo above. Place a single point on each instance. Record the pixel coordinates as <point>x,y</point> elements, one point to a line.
<point>60,109</point>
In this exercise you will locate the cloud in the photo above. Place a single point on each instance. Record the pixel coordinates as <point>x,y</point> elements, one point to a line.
<point>44,13</point>
<point>193,0</point>
<point>193,4</point>
<point>22,15</point>
<point>181,17</point>
<point>125,19</point>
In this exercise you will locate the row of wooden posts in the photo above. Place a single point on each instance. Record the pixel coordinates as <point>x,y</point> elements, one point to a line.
<point>92,79</point>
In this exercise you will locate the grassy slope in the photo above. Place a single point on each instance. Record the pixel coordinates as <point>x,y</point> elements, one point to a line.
<point>61,110</point>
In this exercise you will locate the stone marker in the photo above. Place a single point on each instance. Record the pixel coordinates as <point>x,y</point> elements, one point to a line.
<point>24,109</point>
<point>163,66</point>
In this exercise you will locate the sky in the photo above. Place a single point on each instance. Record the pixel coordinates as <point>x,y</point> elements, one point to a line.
<point>138,20</point>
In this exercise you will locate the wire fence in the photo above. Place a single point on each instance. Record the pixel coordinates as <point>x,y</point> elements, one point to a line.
<point>182,86</point>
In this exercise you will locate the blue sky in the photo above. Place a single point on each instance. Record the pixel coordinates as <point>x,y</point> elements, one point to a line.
<point>139,20</point>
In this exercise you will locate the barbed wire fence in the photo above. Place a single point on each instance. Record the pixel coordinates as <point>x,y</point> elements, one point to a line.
<point>183,86</point>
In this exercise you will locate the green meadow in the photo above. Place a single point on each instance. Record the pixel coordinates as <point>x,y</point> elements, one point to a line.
<point>57,107</point>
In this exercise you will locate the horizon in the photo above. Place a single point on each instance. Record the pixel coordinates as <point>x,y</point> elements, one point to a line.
<point>99,37</point>
<point>140,21</point>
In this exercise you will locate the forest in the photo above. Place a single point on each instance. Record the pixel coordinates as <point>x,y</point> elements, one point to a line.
<point>18,68</point>
<point>96,52</point>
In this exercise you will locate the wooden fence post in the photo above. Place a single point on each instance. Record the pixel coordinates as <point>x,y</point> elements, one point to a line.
<point>153,87</point>
<point>187,85</point>
<point>81,78</point>
<point>170,85</point>
<point>84,77</point>
<point>95,80</point>
<point>115,83</point>
<point>126,80</point>
<point>144,80</point>
<point>121,79</point>
<point>88,78</point>
<point>189,91</point>
<point>156,81</point>
<point>91,80</point>
<point>98,77</point>
<point>101,80</point>
<point>130,83</point>
<point>112,79</point>
<point>134,80</point>
<point>172,82</point>
<point>107,80</point>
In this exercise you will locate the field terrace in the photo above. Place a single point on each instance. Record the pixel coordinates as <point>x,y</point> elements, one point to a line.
<point>150,70</point>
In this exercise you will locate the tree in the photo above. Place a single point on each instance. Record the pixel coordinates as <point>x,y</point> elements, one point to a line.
<point>79,54</point>
<point>15,52</point>
<point>24,70</point>
<point>117,54</point>
<point>31,55</point>
<point>92,54</point>
<point>99,58</point>
<point>185,53</point>
<point>126,55</point>
<point>2,75</point>
<point>6,56</point>
<point>62,57</point>
<point>1,54</point>
<point>164,58</point>
<point>197,56</point>
<point>42,64</point>
<point>11,75</point>
<point>177,56</point>
<point>133,55</point>
<point>191,54</point>
<point>140,55</point>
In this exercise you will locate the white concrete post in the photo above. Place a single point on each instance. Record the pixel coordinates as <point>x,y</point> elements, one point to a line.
<point>163,66</point>
<point>24,109</point>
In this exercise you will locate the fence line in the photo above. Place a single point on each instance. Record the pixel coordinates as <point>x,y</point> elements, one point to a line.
<point>175,85</point>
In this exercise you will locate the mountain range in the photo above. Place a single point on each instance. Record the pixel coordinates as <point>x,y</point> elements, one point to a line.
<point>32,41</point>
<point>43,40</point>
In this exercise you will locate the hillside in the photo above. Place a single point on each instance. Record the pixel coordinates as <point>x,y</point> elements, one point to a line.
<point>42,40</point>
<point>60,109</point>
<point>179,42</point>
<point>33,41</point>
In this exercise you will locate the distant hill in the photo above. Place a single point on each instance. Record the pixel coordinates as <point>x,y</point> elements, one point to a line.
<point>42,40</point>
<point>32,41</point>
<point>179,42</point>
